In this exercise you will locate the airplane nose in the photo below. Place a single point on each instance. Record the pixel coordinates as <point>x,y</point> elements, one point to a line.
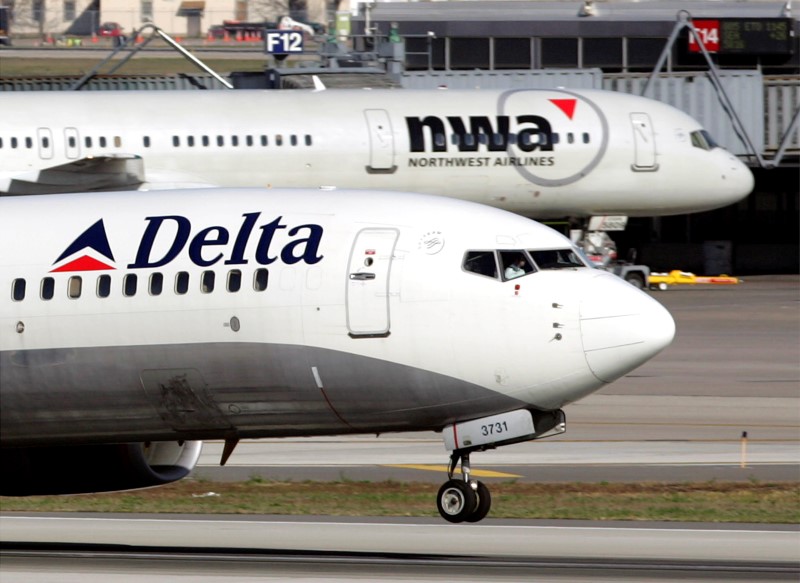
<point>621,327</point>
<point>741,178</point>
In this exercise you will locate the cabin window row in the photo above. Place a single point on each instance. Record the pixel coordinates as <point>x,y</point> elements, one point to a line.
<point>154,284</point>
<point>72,142</point>
<point>525,139</point>
<point>235,141</point>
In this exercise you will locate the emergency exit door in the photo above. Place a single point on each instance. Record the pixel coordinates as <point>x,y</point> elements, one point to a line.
<point>368,273</point>
<point>644,143</point>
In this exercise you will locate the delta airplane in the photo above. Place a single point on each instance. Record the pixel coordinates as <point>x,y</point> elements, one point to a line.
<point>134,325</point>
<point>539,153</point>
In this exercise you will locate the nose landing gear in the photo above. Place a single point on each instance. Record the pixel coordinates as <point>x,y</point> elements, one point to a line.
<point>463,500</point>
<point>467,500</point>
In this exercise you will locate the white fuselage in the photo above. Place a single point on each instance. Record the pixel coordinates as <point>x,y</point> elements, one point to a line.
<point>540,153</point>
<point>222,312</point>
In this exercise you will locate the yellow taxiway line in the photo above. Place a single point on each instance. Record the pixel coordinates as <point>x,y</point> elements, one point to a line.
<point>443,469</point>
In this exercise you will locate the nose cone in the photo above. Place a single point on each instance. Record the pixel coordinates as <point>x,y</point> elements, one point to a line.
<point>739,177</point>
<point>621,327</point>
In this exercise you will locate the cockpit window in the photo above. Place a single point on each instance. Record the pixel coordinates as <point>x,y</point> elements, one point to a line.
<point>481,262</point>
<point>515,264</point>
<point>557,259</point>
<point>703,140</point>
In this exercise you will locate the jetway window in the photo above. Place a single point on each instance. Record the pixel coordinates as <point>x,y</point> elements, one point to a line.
<point>47,289</point>
<point>643,53</point>
<point>559,52</point>
<point>74,287</point>
<point>207,282</point>
<point>481,263</point>
<point>260,279</point>
<point>129,284</point>
<point>104,286</point>
<point>602,52</point>
<point>156,284</point>
<point>234,280</point>
<point>469,53</point>
<point>512,53</point>
<point>18,290</point>
<point>181,282</point>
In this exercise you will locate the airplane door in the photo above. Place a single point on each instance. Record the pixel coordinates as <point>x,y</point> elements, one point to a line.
<point>45,137</point>
<point>381,142</point>
<point>368,275</point>
<point>73,148</point>
<point>644,143</point>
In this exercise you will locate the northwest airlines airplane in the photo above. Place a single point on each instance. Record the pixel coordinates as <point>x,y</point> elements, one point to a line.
<point>540,153</point>
<point>133,325</point>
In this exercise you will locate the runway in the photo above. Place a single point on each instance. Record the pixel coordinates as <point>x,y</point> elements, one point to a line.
<point>237,549</point>
<point>733,368</point>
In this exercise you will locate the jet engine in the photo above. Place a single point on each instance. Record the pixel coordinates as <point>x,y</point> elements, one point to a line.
<point>77,469</point>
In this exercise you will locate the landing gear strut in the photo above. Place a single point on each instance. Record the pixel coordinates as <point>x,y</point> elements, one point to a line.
<point>462,500</point>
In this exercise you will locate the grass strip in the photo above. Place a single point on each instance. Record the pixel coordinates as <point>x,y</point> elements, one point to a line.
<point>686,502</point>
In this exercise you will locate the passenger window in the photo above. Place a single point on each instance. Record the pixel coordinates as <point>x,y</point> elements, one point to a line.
<point>585,138</point>
<point>481,262</point>
<point>146,141</point>
<point>48,288</point>
<point>279,140</point>
<point>14,143</point>
<point>156,284</point>
<point>129,285</point>
<point>176,141</point>
<point>117,142</point>
<point>515,264</point>
<point>220,141</point>
<point>190,141</point>
<point>205,141</point>
<point>74,287</point>
<point>29,143</point>
<point>248,140</point>
<point>260,279</point>
<point>293,139</point>
<point>308,140</point>
<point>181,282</point>
<point>102,142</point>
<point>235,141</point>
<point>103,286</point>
<point>18,290</point>
<point>234,280</point>
<point>264,141</point>
<point>557,259</point>
<point>88,141</point>
<point>207,282</point>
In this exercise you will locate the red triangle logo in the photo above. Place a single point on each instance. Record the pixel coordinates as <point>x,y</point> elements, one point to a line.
<point>565,105</point>
<point>84,263</point>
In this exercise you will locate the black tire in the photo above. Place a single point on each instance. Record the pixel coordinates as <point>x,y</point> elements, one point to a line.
<point>484,504</point>
<point>635,279</point>
<point>456,501</point>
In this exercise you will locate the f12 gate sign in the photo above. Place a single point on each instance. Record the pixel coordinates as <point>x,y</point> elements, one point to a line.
<point>282,42</point>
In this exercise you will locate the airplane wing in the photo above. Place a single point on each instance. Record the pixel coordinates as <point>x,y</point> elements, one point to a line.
<point>99,173</point>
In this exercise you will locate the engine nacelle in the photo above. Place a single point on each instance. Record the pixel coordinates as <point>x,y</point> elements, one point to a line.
<point>34,471</point>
